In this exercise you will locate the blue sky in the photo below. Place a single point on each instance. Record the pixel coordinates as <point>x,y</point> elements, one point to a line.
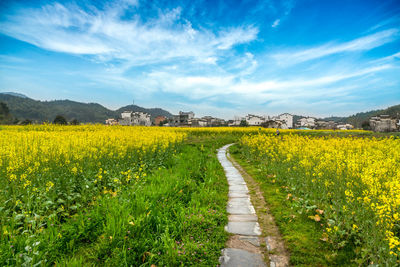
<point>217,58</point>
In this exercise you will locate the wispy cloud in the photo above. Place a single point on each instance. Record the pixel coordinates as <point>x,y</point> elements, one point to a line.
<point>386,22</point>
<point>276,23</point>
<point>395,56</point>
<point>204,87</point>
<point>361,44</point>
<point>104,34</point>
<point>284,12</point>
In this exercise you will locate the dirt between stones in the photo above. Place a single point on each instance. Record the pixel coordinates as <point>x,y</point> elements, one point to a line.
<point>235,242</point>
<point>273,247</point>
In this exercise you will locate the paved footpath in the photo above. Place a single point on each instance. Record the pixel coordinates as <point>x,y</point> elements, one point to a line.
<point>243,248</point>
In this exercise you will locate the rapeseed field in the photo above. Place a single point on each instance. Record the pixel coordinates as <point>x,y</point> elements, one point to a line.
<point>350,186</point>
<point>113,195</point>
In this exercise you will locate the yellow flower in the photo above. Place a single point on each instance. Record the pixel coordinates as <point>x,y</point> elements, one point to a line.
<point>49,185</point>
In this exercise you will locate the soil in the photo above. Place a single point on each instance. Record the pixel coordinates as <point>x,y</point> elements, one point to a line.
<point>235,242</point>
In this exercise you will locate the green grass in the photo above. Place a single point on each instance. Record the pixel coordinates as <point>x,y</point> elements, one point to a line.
<point>173,217</point>
<point>301,234</point>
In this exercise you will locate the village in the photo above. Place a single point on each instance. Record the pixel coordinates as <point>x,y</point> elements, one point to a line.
<point>382,123</point>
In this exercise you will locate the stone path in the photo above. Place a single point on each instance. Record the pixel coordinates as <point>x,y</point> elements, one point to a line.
<point>243,248</point>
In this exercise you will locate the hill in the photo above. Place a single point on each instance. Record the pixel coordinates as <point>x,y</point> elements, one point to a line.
<point>14,94</point>
<point>41,111</point>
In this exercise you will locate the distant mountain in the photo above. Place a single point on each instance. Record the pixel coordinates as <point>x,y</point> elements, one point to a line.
<point>14,94</point>
<point>41,111</point>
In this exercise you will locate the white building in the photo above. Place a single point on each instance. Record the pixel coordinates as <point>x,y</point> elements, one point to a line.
<point>196,122</point>
<point>183,119</point>
<point>135,118</point>
<point>236,121</point>
<point>383,123</point>
<point>308,122</point>
<point>287,118</point>
<point>346,126</point>
<point>254,120</point>
<point>190,114</point>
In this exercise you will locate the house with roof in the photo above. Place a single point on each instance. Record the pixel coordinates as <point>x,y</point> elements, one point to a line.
<point>308,122</point>
<point>131,118</point>
<point>254,120</point>
<point>383,123</point>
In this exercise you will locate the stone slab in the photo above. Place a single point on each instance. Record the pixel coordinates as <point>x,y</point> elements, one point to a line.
<point>236,182</point>
<point>240,209</point>
<point>233,257</point>
<point>234,177</point>
<point>240,201</point>
<point>242,218</point>
<point>238,188</point>
<point>244,228</point>
<point>237,194</point>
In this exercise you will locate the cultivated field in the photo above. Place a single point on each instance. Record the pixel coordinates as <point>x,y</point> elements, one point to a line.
<point>350,186</point>
<point>98,195</point>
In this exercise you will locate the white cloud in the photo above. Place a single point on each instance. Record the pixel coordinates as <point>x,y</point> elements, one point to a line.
<point>276,23</point>
<point>361,44</point>
<point>234,36</point>
<point>389,58</point>
<point>103,33</point>
<point>392,20</point>
<point>204,87</point>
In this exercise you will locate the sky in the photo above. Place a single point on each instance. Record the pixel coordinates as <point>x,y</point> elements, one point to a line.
<point>218,58</point>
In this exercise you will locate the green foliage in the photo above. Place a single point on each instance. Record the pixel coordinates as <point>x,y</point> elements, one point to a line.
<point>365,125</point>
<point>163,122</point>
<point>5,116</point>
<point>60,120</point>
<point>26,122</point>
<point>74,122</point>
<point>243,123</point>
<point>4,109</point>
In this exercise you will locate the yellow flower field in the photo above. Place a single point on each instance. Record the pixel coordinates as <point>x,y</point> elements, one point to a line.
<point>355,181</point>
<point>50,171</point>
